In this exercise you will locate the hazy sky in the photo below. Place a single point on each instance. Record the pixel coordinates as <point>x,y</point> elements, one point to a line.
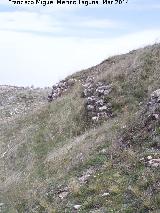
<point>41,45</point>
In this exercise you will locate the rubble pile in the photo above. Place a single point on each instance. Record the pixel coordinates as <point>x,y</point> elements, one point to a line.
<point>96,105</point>
<point>59,88</point>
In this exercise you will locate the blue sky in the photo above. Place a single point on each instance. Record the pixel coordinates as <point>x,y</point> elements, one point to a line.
<point>42,45</point>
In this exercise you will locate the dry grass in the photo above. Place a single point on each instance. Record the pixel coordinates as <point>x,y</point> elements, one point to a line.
<point>50,148</point>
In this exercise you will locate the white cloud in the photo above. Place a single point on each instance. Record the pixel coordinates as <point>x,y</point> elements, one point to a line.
<point>28,21</point>
<point>143,5</point>
<point>4,2</point>
<point>34,21</point>
<point>28,59</point>
<point>100,24</point>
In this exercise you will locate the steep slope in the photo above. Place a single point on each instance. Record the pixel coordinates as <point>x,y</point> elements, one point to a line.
<point>94,147</point>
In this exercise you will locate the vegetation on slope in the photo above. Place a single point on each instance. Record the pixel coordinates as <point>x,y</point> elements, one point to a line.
<point>56,160</point>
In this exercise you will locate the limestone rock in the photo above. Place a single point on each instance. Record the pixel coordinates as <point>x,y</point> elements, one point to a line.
<point>156,94</point>
<point>90,107</point>
<point>154,106</point>
<point>76,207</point>
<point>59,88</point>
<point>154,162</point>
<point>96,105</point>
<point>103,108</point>
<point>63,194</point>
<point>105,194</point>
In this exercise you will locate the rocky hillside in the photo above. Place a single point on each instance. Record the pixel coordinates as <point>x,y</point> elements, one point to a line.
<point>19,100</point>
<point>89,144</point>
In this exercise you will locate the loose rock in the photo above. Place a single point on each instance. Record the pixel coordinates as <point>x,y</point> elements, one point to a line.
<point>76,207</point>
<point>105,194</point>
<point>62,195</point>
<point>154,162</point>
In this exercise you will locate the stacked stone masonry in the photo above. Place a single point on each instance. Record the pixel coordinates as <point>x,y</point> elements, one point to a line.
<point>96,104</point>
